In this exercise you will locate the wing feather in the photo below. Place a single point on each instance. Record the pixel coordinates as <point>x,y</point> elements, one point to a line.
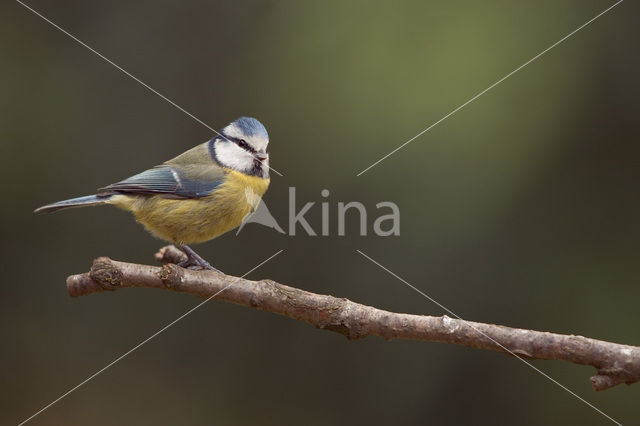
<point>167,181</point>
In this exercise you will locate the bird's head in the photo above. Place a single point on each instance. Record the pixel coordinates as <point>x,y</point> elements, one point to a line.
<point>242,146</point>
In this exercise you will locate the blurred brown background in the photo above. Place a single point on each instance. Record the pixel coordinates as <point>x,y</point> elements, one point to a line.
<point>521,209</point>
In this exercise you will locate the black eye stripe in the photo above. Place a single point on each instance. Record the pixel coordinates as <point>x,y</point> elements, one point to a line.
<point>243,144</point>
<point>240,142</point>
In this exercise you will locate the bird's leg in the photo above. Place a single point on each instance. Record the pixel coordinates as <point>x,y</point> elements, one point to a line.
<point>194,259</point>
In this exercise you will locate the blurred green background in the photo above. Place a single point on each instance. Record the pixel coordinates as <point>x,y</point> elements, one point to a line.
<point>521,209</point>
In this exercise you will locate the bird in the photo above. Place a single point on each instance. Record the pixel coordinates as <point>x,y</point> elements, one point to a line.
<point>196,196</point>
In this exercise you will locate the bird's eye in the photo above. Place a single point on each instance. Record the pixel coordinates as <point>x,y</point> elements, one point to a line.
<point>244,144</point>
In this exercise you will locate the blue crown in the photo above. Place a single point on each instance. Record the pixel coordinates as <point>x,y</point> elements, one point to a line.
<point>251,127</point>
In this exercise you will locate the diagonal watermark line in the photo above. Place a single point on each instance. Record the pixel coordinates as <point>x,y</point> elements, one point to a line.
<point>97,373</point>
<point>145,85</point>
<point>449,311</point>
<point>491,87</point>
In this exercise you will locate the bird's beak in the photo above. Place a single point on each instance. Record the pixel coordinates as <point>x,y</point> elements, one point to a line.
<point>262,156</point>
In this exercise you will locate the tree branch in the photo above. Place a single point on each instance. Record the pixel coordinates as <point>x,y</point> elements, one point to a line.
<point>615,363</point>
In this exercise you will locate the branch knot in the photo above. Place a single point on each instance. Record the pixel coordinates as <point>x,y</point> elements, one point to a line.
<point>105,274</point>
<point>171,275</point>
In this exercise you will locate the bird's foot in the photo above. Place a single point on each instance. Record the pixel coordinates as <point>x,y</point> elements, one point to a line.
<point>194,260</point>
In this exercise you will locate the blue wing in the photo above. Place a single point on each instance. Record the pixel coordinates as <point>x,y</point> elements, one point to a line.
<point>166,181</point>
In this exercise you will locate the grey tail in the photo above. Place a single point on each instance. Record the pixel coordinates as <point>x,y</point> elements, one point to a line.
<point>89,200</point>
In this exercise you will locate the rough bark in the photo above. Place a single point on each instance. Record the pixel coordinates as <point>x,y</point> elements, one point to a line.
<point>615,363</point>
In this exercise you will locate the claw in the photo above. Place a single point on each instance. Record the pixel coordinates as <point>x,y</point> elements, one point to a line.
<point>194,261</point>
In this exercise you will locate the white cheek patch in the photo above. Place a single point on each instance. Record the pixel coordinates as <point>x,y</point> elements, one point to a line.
<point>232,156</point>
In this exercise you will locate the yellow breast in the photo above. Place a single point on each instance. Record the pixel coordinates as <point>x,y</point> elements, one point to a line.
<point>197,220</point>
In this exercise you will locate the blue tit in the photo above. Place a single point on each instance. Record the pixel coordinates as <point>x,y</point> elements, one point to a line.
<point>195,196</point>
